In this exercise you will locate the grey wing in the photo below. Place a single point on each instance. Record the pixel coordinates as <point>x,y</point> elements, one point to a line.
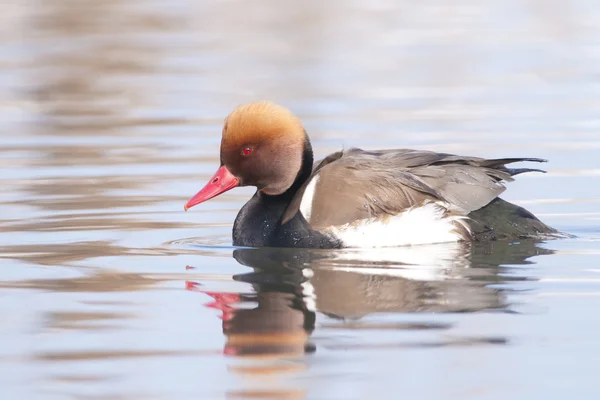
<point>357,184</point>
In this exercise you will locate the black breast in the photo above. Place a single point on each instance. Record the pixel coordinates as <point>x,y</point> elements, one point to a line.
<point>258,224</point>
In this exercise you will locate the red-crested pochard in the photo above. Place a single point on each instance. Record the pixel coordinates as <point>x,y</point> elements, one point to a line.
<point>358,198</point>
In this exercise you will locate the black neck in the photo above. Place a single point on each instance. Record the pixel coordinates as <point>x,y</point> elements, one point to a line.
<point>258,220</point>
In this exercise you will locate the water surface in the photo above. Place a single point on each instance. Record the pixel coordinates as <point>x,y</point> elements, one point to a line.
<point>111,115</point>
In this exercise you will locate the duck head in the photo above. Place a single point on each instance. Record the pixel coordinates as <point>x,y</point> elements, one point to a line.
<point>262,145</point>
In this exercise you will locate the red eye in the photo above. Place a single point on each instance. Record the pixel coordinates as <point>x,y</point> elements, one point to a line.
<point>247,151</point>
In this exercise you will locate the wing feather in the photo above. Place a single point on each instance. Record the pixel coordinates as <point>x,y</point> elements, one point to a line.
<point>357,184</point>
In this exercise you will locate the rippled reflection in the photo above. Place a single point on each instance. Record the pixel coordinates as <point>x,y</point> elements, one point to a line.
<point>273,323</point>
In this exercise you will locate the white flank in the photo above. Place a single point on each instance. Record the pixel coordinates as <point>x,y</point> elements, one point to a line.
<point>307,198</point>
<point>420,225</point>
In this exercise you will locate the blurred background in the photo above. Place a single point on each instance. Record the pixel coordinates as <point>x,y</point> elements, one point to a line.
<point>110,119</point>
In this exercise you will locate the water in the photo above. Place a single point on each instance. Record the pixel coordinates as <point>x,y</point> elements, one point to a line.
<point>111,115</point>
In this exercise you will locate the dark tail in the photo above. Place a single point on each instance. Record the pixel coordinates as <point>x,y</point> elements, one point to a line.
<point>500,163</point>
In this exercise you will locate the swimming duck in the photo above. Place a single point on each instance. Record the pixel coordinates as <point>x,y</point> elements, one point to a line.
<point>358,198</point>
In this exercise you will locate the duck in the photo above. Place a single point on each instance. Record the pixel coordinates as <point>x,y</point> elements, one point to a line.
<point>358,198</point>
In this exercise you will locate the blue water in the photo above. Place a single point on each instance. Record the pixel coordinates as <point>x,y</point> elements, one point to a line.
<point>111,118</point>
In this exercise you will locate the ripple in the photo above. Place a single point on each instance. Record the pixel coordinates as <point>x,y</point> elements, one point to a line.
<point>205,242</point>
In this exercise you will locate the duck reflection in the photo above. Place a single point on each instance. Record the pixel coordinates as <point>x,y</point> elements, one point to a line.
<point>279,317</point>
<point>289,285</point>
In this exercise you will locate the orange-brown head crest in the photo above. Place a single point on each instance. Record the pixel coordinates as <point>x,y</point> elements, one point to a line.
<point>254,123</point>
